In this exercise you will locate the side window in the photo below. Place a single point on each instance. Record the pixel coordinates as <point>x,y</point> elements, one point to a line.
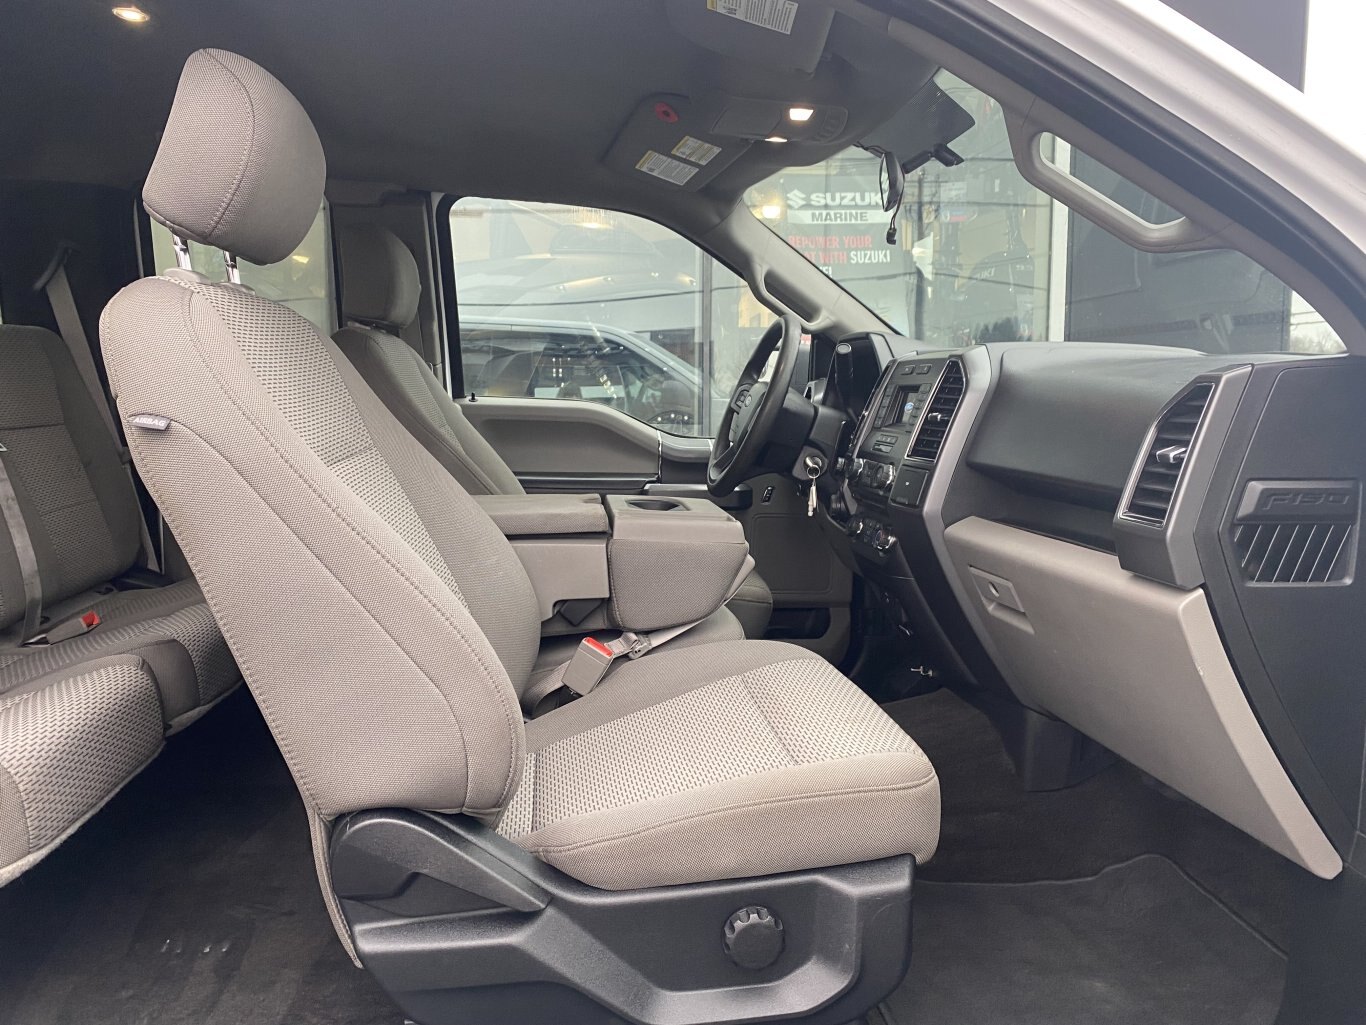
<point>302,281</point>
<point>567,302</point>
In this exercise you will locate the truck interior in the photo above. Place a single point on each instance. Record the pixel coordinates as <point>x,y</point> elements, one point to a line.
<point>725,511</point>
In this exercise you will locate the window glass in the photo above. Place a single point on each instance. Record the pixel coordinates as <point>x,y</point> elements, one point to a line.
<point>567,302</point>
<point>981,255</point>
<point>302,281</point>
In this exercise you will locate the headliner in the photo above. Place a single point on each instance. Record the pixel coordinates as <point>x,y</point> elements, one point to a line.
<point>518,98</point>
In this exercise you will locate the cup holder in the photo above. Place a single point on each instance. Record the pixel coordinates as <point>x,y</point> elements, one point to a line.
<point>654,504</point>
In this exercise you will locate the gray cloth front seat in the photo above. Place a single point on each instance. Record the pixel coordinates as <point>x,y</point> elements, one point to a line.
<point>380,289</point>
<point>384,623</point>
<point>79,717</point>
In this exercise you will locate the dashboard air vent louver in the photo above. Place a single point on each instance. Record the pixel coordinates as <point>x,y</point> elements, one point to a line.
<point>1165,458</point>
<point>934,425</point>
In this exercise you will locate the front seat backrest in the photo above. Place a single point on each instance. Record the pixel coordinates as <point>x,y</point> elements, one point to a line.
<point>380,292</point>
<point>382,621</point>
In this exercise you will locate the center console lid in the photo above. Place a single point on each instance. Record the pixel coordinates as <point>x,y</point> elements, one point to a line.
<point>540,515</point>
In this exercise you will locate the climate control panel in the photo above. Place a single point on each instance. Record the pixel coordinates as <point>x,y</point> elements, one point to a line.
<point>871,532</point>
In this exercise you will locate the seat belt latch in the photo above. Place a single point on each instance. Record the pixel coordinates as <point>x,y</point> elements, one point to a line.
<point>73,627</point>
<point>593,658</point>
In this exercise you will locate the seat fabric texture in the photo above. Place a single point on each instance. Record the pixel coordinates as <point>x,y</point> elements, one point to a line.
<point>80,717</point>
<point>720,761</point>
<point>81,514</point>
<point>387,628</point>
<point>380,291</point>
<point>68,742</point>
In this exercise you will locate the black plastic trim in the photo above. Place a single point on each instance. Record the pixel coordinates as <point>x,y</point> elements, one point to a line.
<point>1310,707</point>
<point>616,484</point>
<point>450,320</point>
<point>459,924</point>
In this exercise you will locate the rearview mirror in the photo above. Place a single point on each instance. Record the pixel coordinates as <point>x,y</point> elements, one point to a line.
<point>892,182</point>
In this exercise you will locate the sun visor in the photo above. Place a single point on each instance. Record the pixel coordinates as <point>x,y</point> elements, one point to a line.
<point>673,140</point>
<point>931,119</point>
<point>789,34</point>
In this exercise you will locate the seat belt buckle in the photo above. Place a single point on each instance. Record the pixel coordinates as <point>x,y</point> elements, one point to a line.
<point>589,665</point>
<point>75,627</point>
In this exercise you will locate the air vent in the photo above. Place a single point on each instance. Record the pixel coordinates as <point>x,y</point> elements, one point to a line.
<point>1165,458</point>
<point>934,425</point>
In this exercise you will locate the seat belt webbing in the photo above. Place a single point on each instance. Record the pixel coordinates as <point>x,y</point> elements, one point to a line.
<point>593,659</point>
<point>23,551</point>
<point>58,288</point>
<point>69,324</point>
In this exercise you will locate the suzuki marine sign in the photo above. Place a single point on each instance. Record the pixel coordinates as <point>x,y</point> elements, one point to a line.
<point>833,207</point>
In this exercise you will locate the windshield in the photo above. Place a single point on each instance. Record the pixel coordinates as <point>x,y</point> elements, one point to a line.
<point>980,255</point>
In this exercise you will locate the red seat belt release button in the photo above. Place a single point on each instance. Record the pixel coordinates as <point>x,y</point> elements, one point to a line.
<point>74,627</point>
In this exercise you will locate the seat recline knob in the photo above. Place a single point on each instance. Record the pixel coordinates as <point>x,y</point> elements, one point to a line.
<point>753,937</point>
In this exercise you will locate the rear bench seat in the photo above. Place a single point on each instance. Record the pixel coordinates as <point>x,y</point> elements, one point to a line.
<point>79,717</point>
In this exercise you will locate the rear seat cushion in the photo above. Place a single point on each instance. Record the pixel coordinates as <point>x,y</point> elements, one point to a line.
<point>67,744</point>
<point>170,628</point>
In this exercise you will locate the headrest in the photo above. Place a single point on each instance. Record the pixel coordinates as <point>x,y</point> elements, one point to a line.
<point>379,279</point>
<point>240,166</point>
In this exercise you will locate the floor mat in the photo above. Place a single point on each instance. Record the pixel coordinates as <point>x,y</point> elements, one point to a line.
<point>1138,944</point>
<point>189,900</point>
<point>993,831</point>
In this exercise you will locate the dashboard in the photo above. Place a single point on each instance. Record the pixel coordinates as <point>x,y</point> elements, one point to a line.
<point>1134,550</point>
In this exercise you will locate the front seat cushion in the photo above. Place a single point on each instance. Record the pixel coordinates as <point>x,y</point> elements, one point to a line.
<point>720,761</point>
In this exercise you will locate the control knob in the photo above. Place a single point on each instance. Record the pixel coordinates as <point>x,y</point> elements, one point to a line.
<point>883,539</point>
<point>886,473</point>
<point>855,469</point>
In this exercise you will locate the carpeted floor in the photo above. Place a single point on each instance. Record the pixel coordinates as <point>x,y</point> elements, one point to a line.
<point>992,831</point>
<point>1137,944</point>
<point>1114,901</point>
<point>191,900</point>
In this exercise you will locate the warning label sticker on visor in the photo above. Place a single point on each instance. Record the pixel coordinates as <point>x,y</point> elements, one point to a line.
<point>696,150</point>
<point>668,168</point>
<point>775,15</point>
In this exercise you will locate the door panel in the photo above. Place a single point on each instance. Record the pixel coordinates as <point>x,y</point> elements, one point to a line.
<point>567,437</point>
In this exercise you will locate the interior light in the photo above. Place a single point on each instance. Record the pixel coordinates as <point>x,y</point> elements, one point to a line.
<point>800,114</point>
<point>775,138</point>
<point>299,257</point>
<point>770,211</point>
<point>131,13</point>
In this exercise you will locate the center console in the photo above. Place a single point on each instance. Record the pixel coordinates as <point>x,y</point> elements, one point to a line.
<point>896,444</point>
<point>630,562</point>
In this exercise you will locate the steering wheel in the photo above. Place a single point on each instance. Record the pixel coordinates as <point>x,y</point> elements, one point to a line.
<point>753,407</point>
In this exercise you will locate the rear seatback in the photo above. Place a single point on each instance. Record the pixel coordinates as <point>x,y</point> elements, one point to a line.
<point>81,716</point>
